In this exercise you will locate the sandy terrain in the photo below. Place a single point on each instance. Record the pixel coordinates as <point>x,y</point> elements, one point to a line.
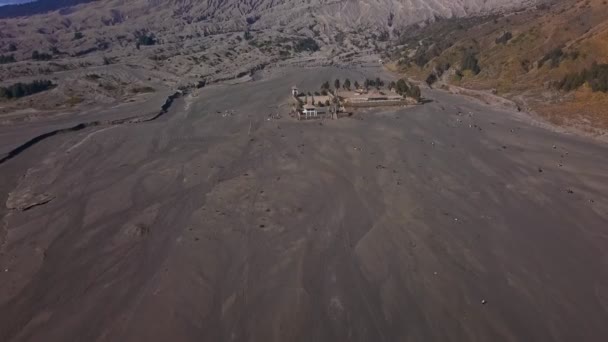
<point>449,221</point>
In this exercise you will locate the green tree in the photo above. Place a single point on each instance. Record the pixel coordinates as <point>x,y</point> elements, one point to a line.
<point>4,59</point>
<point>18,90</point>
<point>379,83</point>
<point>401,87</point>
<point>38,56</point>
<point>414,92</point>
<point>337,84</point>
<point>356,85</point>
<point>347,84</point>
<point>469,62</point>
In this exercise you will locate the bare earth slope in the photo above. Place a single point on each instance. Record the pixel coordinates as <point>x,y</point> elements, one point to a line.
<point>450,221</point>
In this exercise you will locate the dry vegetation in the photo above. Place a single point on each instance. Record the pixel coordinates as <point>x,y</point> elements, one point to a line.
<point>523,56</point>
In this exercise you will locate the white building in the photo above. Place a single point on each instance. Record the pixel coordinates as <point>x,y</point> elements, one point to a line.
<point>309,111</point>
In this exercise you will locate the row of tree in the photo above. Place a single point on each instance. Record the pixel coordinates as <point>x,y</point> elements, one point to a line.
<point>367,83</point>
<point>18,90</point>
<point>7,59</point>
<point>596,76</point>
<point>401,87</point>
<point>41,56</point>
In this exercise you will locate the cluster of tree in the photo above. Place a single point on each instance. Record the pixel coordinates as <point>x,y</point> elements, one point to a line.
<point>7,59</point>
<point>145,38</point>
<point>346,84</point>
<point>337,84</point>
<point>12,47</point>
<point>305,44</point>
<point>41,56</point>
<point>596,76</point>
<point>425,53</point>
<point>431,78</point>
<point>404,88</point>
<point>18,90</point>
<point>469,62</point>
<point>437,72</point>
<point>556,56</point>
<point>373,83</point>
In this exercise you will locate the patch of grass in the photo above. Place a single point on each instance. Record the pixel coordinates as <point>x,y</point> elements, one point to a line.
<point>74,100</point>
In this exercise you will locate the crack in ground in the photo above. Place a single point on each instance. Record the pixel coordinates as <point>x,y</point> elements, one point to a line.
<point>23,147</point>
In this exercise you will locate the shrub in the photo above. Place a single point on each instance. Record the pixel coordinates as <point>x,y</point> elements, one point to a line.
<point>37,56</point>
<point>306,44</point>
<point>145,38</point>
<point>554,56</point>
<point>414,92</point>
<point>401,87</point>
<point>504,38</point>
<point>78,35</point>
<point>143,89</point>
<point>596,76</point>
<point>469,62</point>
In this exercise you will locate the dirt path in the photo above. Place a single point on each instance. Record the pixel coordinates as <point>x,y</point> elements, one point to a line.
<point>451,221</point>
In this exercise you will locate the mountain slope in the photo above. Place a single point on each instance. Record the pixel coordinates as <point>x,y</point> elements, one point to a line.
<point>181,42</point>
<point>523,56</point>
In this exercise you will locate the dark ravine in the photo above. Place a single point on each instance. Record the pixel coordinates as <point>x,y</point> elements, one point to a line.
<point>23,147</point>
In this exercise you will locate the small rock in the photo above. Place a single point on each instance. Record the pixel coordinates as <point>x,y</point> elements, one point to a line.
<point>483,302</point>
<point>540,170</point>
